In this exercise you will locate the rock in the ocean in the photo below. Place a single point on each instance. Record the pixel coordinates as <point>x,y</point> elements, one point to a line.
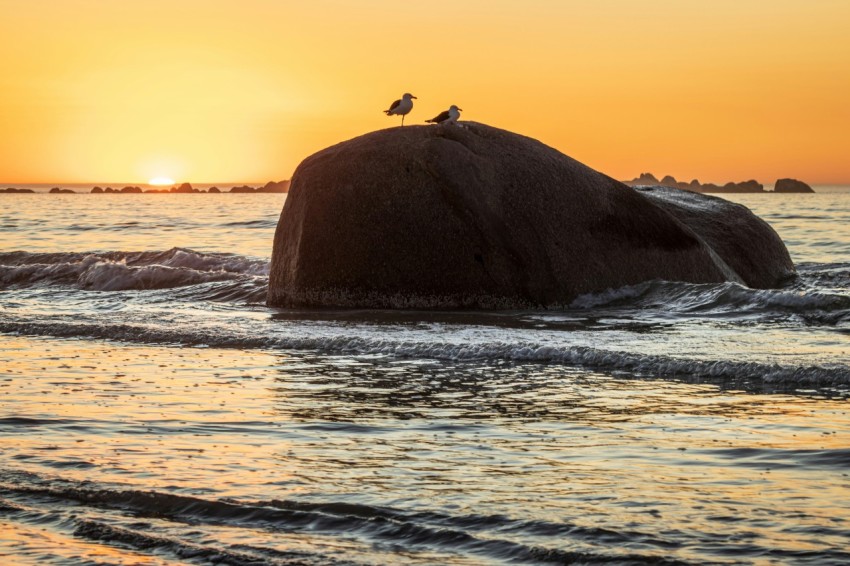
<point>183,188</point>
<point>745,242</point>
<point>669,181</point>
<point>751,186</point>
<point>274,187</point>
<point>645,179</point>
<point>477,217</point>
<point>791,186</point>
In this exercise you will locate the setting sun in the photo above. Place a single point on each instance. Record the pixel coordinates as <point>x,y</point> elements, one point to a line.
<point>161,181</point>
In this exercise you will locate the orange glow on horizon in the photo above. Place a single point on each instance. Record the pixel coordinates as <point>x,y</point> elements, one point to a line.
<point>212,90</point>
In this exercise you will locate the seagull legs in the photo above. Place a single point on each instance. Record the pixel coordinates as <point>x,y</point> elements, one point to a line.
<point>402,120</point>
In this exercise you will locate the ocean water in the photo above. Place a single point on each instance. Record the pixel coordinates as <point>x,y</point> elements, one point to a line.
<point>154,411</point>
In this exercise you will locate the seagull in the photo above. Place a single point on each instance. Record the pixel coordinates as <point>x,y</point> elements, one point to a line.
<point>401,107</point>
<point>449,116</point>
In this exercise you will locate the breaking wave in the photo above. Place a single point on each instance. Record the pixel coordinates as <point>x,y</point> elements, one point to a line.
<point>120,271</point>
<point>194,278</point>
<point>747,375</point>
<point>724,298</point>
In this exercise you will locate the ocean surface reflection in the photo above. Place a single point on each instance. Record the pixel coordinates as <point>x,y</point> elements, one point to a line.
<point>269,456</point>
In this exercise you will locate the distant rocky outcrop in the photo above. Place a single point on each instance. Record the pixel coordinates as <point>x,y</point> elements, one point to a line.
<point>751,186</point>
<point>182,188</point>
<point>274,187</point>
<point>645,179</point>
<point>15,190</point>
<point>648,179</point>
<point>791,186</point>
<point>475,217</point>
<point>270,187</point>
<point>60,191</point>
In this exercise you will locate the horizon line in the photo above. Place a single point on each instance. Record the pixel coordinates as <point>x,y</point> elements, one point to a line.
<point>4,184</point>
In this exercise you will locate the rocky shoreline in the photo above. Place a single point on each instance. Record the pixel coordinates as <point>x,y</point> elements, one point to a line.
<point>751,186</point>
<point>184,188</point>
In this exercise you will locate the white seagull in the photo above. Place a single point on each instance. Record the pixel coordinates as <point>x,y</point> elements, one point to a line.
<point>401,107</point>
<point>449,116</point>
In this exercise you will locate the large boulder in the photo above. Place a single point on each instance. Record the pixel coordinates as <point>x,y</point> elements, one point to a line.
<point>470,216</point>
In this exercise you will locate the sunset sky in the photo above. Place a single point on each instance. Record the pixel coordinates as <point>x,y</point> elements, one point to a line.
<point>242,91</point>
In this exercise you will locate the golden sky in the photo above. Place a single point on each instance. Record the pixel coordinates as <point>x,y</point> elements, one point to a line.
<point>243,90</point>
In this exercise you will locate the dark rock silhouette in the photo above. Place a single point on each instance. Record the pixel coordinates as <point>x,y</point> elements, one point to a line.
<point>791,186</point>
<point>270,187</point>
<point>669,181</point>
<point>14,190</point>
<point>751,186</point>
<point>183,188</point>
<point>274,187</point>
<point>477,217</point>
<point>58,191</point>
<point>647,179</point>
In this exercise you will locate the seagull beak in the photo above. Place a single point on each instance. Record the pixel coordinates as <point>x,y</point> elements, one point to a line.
<point>411,96</point>
<point>460,109</point>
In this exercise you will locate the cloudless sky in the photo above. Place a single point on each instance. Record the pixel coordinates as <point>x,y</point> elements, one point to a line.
<point>243,90</point>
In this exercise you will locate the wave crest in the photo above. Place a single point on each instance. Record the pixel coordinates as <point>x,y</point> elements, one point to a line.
<point>715,299</point>
<point>749,375</point>
<point>120,271</point>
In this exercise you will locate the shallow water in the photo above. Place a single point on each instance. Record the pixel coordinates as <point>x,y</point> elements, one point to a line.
<point>154,411</point>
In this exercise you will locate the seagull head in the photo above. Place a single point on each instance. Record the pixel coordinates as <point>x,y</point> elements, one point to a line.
<point>453,107</point>
<point>407,95</point>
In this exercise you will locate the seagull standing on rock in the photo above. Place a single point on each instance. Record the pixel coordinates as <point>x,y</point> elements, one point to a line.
<point>401,107</point>
<point>449,116</point>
